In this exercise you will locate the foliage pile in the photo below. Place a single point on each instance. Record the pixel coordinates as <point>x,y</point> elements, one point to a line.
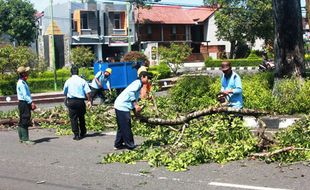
<point>217,138</point>
<point>296,136</point>
<point>97,119</point>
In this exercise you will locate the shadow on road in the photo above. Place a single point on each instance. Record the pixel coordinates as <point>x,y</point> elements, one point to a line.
<point>94,135</point>
<point>45,139</point>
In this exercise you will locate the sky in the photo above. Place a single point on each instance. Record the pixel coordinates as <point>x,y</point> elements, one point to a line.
<point>42,4</point>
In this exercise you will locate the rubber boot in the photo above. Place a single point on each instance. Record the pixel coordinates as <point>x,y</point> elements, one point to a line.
<point>25,136</point>
<point>19,134</point>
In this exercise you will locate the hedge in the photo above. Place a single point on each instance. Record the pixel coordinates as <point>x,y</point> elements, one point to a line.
<point>162,70</point>
<point>234,62</point>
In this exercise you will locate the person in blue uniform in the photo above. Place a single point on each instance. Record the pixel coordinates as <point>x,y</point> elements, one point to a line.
<point>97,84</point>
<point>231,86</point>
<point>76,91</point>
<point>25,105</point>
<point>124,103</point>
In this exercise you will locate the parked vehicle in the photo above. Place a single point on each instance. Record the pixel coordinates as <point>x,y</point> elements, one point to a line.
<point>267,65</point>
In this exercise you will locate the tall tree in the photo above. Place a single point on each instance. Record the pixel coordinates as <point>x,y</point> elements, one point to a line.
<point>17,19</point>
<point>288,44</point>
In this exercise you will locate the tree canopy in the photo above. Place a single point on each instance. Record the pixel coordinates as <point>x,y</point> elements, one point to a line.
<point>241,21</point>
<point>82,56</point>
<point>18,20</point>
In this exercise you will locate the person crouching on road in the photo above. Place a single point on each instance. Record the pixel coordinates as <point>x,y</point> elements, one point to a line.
<point>25,105</point>
<point>75,90</point>
<point>97,84</point>
<point>231,86</point>
<point>126,101</point>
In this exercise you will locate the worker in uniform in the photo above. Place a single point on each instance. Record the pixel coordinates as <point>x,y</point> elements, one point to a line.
<point>102,77</point>
<point>76,91</point>
<point>25,105</point>
<point>231,86</point>
<point>126,101</point>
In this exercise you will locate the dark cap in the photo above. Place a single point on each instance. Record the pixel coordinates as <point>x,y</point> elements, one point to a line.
<point>145,73</point>
<point>225,66</point>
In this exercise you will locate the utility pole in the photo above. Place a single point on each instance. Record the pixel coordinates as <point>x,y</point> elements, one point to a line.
<point>128,5</point>
<point>308,11</point>
<point>53,46</point>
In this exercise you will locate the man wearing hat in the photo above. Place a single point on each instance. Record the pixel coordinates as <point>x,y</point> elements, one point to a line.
<point>126,101</point>
<point>76,91</point>
<point>231,86</point>
<point>25,105</point>
<point>102,77</point>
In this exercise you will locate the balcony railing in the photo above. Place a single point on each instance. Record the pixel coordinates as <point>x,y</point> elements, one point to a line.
<point>119,32</point>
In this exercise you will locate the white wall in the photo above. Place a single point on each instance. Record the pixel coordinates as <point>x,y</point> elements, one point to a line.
<point>211,34</point>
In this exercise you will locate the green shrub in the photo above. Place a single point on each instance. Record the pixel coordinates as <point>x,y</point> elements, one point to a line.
<point>135,56</point>
<point>193,93</point>
<point>257,92</point>
<point>162,70</point>
<point>292,96</point>
<point>253,55</point>
<point>234,62</point>
<point>8,87</point>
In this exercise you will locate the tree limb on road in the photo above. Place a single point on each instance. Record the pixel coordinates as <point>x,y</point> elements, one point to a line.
<point>204,112</point>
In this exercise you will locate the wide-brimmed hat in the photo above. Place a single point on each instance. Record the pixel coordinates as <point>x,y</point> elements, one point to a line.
<point>22,69</point>
<point>109,70</point>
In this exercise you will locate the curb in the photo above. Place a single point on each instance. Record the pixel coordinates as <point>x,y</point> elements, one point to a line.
<point>272,122</point>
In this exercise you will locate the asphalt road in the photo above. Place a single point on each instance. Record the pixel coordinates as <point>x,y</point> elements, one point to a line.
<point>59,163</point>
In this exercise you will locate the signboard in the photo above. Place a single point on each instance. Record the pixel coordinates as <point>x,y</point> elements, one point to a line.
<point>118,40</point>
<point>154,53</point>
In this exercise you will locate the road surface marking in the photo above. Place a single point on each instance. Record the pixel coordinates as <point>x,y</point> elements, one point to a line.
<point>243,186</point>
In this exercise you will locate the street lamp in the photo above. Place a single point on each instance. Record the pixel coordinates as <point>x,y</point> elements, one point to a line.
<point>128,6</point>
<point>53,46</point>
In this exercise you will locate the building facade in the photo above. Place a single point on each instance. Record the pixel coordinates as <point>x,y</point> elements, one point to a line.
<point>106,28</point>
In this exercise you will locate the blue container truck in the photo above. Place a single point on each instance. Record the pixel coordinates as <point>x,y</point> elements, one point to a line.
<point>123,73</point>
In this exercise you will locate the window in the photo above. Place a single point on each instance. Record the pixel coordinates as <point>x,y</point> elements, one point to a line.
<point>117,21</point>
<point>84,21</point>
<point>174,30</point>
<point>149,30</point>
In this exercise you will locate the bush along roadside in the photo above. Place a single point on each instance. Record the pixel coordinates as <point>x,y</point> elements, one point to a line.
<point>41,81</point>
<point>234,62</point>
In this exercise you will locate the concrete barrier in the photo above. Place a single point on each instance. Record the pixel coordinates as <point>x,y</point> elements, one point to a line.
<point>272,122</point>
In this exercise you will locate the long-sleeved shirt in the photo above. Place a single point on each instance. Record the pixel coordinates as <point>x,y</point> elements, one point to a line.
<point>76,87</point>
<point>124,102</point>
<point>234,83</point>
<point>102,79</point>
<point>23,92</point>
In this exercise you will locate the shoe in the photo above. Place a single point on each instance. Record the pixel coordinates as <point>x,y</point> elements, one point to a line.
<point>76,137</point>
<point>119,147</point>
<point>28,142</point>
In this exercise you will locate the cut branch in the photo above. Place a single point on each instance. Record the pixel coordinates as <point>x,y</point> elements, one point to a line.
<point>204,112</point>
<point>270,154</point>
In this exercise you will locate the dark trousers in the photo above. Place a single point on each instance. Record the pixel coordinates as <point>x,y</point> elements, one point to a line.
<point>124,133</point>
<point>94,92</point>
<point>77,110</point>
<point>24,114</point>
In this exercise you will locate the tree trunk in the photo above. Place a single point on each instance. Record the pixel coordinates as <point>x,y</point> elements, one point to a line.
<point>232,49</point>
<point>288,44</point>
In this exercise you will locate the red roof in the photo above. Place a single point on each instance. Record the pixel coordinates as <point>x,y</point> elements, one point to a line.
<point>173,14</point>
